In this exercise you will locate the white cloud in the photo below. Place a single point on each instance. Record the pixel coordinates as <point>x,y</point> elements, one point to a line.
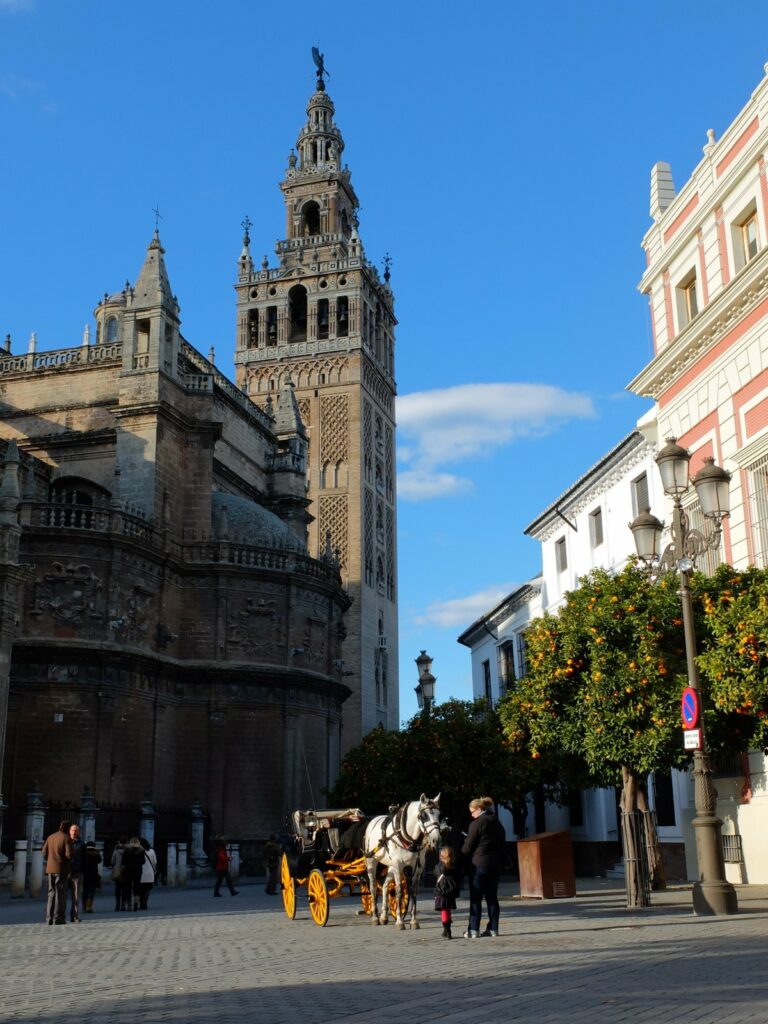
<point>15,87</point>
<point>451,425</point>
<point>14,6</point>
<point>460,611</point>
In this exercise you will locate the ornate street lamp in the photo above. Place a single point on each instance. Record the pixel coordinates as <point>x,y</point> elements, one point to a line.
<point>425,689</point>
<point>712,894</point>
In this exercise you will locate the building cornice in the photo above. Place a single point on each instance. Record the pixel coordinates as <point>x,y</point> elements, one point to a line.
<point>485,625</point>
<point>733,304</point>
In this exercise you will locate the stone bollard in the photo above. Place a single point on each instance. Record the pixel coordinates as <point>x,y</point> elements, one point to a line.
<point>147,822</point>
<point>36,871</point>
<point>234,865</point>
<point>35,822</point>
<point>100,848</point>
<point>170,875</point>
<point>196,850</point>
<point>181,870</point>
<point>87,816</point>
<point>19,884</point>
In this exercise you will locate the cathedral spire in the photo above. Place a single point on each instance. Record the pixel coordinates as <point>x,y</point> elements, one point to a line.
<point>320,144</point>
<point>153,287</point>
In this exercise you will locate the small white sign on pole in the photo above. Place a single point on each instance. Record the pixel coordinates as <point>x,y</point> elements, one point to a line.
<point>692,739</point>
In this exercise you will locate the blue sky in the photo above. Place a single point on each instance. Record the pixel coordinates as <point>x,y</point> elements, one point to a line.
<point>502,155</point>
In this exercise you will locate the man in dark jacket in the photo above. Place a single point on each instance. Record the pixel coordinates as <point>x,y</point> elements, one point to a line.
<point>57,854</point>
<point>77,866</point>
<point>485,849</point>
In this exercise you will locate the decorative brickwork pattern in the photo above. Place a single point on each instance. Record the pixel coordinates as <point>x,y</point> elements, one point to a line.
<point>334,516</point>
<point>368,441</point>
<point>390,554</point>
<point>334,425</point>
<point>368,536</point>
<point>304,411</point>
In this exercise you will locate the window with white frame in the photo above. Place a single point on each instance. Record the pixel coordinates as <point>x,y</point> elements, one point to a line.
<point>596,528</point>
<point>506,658</point>
<point>561,555</point>
<point>746,242</point>
<point>522,658</point>
<point>758,507</point>
<point>487,691</point>
<point>711,558</point>
<point>640,498</point>
<point>687,300</point>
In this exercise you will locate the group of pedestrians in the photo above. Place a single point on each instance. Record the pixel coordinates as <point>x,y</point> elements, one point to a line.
<point>72,867</point>
<point>483,856</point>
<point>134,870</point>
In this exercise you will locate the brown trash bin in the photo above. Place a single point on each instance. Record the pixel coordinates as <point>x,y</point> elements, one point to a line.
<point>546,865</point>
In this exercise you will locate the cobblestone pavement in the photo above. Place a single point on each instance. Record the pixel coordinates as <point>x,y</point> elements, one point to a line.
<point>194,959</point>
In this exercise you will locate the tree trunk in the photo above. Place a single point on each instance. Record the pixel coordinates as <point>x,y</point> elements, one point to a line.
<point>651,839</point>
<point>633,843</point>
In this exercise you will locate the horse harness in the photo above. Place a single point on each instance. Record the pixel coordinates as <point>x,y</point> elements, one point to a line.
<point>400,834</point>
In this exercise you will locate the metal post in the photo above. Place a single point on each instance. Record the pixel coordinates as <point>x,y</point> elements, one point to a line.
<point>712,893</point>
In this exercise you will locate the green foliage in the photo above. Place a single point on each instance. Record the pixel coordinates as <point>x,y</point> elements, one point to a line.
<point>459,750</point>
<point>604,679</point>
<point>606,674</point>
<point>734,658</point>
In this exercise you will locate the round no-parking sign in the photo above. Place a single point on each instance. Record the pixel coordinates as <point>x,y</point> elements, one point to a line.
<point>689,706</point>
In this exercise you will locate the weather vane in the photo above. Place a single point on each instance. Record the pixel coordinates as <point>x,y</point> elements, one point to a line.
<point>387,267</point>
<point>246,225</point>
<point>319,59</point>
<point>158,216</point>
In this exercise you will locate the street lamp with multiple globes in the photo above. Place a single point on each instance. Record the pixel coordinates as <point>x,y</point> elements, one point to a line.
<point>425,689</point>
<point>712,894</point>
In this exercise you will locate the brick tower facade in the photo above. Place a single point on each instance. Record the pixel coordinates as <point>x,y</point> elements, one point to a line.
<point>324,320</point>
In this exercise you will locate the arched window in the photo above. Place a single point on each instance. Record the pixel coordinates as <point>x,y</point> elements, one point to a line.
<point>342,316</point>
<point>297,313</point>
<point>380,585</point>
<point>112,329</point>
<point>310,218</point>
<point>344,224</point>
<point>322,318</point>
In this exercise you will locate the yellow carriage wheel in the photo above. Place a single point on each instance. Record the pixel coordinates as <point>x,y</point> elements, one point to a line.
<point>288,887</point>
<point>392,899</point>
<point>317,891</point>
<point>366,899</point>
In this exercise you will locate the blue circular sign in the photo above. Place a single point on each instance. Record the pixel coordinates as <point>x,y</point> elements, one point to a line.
<point>690,708</point>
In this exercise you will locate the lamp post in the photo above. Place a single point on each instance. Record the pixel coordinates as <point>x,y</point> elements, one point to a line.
<point>425,688</point>
<point>712,894</point>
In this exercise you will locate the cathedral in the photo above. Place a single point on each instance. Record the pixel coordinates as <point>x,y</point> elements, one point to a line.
<point>202,602</point>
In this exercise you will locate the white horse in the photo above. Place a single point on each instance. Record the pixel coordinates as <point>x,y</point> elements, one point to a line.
<point>397,841</point>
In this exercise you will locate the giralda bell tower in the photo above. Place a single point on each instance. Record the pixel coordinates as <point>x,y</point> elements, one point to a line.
<point>324,319</point>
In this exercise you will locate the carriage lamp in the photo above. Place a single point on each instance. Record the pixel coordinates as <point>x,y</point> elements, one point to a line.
<point>425,689</point>
<point>712,893</point>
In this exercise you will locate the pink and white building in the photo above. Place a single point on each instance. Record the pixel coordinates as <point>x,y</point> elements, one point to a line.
<point>707,283</point>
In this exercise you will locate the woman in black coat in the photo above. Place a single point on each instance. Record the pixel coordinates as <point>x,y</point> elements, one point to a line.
<point>485,850</point>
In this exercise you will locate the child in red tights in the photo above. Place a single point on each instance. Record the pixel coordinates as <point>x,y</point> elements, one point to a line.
<point>446,889</point>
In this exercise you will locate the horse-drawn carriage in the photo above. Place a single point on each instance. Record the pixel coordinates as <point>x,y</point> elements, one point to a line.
<point>337,850</point>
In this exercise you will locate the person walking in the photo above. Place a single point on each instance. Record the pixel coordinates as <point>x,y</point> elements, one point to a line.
<point>485,850</point>
<point>221,866</point>
<point>91,877</point>
<point>148,874</point>
<point>75,880</point>
<point>57,854</point>
<point>446,889</point>
<point>272,861</point>
<point>133,865</point>
<point>121,903</point>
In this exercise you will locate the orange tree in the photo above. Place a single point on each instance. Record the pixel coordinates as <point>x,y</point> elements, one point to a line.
<point>603,686</point>
<point>459,750</point>
<point>734,657</point>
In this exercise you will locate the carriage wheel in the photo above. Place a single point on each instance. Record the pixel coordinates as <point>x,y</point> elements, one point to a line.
<point>392,899</point>
<point>317,891</point>
<point>288,887</point>
<point>366,899</point>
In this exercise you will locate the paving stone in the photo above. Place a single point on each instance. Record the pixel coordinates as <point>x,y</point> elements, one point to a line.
<point>196,960</point>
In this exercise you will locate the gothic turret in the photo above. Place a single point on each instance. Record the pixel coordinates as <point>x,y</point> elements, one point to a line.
<point>151,324</point>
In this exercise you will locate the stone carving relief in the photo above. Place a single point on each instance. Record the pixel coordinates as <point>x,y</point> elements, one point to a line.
<point>68,593</point>
<point>313,641</point>
<point>254,627</point>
